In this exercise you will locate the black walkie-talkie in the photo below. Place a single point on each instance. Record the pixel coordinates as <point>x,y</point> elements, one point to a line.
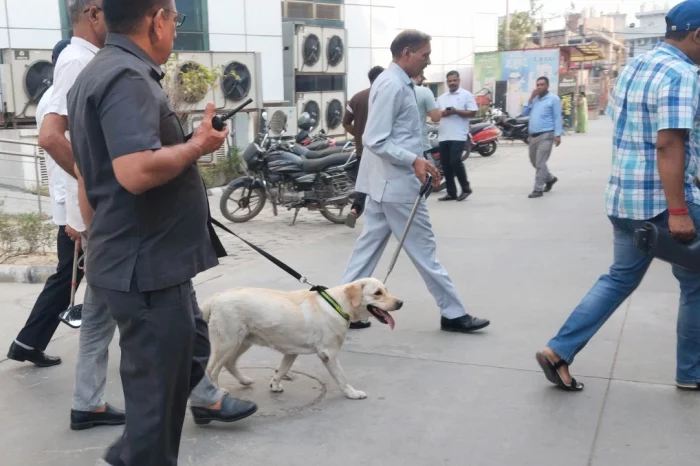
<point>219,122</point>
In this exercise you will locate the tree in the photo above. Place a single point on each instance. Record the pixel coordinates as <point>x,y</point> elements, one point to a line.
<point>522,25</point>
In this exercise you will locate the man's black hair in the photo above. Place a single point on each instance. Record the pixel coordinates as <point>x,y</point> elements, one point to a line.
<point>411,39</point>
<point>453,73</point>
<point>125,16</point>
<point>544,78</point>
<point>374,73</point>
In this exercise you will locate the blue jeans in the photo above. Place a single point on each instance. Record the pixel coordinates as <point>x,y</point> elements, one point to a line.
<point>611,290</point>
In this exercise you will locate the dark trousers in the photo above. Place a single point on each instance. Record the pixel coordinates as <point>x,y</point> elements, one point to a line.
<point>452,165</point>
<point>165,349</point>
<point>358,204</point>
<point>53,299</point>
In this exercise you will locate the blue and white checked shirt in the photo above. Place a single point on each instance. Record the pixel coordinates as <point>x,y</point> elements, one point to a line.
<point>658,90</point>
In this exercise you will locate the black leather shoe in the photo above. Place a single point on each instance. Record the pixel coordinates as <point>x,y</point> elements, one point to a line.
<point>535,194</point>
<point>463,196</point>
<point>360,324</point>
<point>231,410</point>
<point>548,186</point>
<point>81,420</point>
<point>464,324</point>
<point>447,198</point>
<point>39,358</point>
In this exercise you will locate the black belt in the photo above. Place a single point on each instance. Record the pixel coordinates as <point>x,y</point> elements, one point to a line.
<point>534,135</point>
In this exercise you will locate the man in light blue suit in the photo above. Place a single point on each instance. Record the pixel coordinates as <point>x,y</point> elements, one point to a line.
<point>391,174</point>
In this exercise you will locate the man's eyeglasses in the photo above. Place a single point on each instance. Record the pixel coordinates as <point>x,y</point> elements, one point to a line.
<point>179,17</point>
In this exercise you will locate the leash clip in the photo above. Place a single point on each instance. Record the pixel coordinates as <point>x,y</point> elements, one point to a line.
<point>305,280</point>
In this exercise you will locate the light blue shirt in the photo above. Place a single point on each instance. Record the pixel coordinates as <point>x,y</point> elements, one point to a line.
<point>426,103</point>
<point>392,140</point>
<point>545,115</point>
<point>455,127</point>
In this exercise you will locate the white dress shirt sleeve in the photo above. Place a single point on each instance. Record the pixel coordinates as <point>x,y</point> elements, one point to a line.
<point>65,74</point>
<point>385,107</point>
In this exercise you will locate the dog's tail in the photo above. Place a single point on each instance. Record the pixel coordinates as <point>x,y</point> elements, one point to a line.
<point>206,310</point>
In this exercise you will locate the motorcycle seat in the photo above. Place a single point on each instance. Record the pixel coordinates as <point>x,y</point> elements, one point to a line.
<point>318,144</point>
<point>318,165</point>
<point>522,120</point>
<point>319,154</point>
<point>478,127</point>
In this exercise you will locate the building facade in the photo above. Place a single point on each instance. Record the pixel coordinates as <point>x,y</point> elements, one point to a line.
<point>648,31</point>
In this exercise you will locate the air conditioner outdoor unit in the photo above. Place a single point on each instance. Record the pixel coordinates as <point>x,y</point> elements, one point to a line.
<point>195,95</point>
<point>333,110</point>
<point>311,103</point>
<point>309,49</point>
<point>26,75</point>
<point>334,56</point>
<point>241,79</point>
<point>221,153</point>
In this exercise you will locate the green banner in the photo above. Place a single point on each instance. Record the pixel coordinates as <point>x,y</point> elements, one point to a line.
<point>487,70</point>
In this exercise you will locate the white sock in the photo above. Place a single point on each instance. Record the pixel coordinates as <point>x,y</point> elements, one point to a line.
<point>19,343</point>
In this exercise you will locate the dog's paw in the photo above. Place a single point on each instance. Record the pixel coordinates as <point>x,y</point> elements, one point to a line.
<point>355,394</point>
<point>245,381</point>
<point>276,387</point>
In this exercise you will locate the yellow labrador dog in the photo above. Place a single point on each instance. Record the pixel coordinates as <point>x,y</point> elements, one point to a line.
<point>293,323</point>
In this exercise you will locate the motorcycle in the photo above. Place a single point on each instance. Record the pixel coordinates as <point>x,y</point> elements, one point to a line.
<point>514,129</point>
<point>291,176</point>
<point>483,138</point>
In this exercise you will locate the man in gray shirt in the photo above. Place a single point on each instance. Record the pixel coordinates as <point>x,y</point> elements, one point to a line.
<point>391,174</point>
<point>427,106</point>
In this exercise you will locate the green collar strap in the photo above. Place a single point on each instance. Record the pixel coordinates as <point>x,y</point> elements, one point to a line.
<point>334,304</point>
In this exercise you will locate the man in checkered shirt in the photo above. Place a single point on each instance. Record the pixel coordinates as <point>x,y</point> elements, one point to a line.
<point>655,107</point>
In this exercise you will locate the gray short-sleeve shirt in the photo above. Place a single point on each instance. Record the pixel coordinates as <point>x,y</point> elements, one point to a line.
<point>426,103</point>
<point>162,237</point>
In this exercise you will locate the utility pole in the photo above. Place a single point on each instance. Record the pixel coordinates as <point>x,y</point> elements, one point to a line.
<point>507,25</point>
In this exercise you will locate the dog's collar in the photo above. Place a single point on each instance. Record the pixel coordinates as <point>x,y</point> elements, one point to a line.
<point>334,304</point>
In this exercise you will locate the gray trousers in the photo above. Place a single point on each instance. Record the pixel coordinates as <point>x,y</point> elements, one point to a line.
<point>96,334</point>
<point>540,150</point>
<point>383,219</point>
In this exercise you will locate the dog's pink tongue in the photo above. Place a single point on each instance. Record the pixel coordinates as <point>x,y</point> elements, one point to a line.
<point>389,319</point>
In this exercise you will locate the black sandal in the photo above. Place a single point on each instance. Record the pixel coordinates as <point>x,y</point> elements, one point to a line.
<point>551,371</point>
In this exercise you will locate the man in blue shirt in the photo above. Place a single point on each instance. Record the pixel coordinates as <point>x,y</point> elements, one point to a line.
<point>546,128</point>
<point>655,107</point>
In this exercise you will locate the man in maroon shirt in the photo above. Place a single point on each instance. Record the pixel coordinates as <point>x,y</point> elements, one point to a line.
<point>354,123</point>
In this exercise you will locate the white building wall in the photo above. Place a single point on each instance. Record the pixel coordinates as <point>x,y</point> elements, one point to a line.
<point>459,29</point>
<point>29,24</point>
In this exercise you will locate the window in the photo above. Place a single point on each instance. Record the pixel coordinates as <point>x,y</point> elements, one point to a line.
<point>194,33</point>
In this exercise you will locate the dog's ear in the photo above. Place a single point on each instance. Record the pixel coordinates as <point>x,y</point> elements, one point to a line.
<point>354,294</point>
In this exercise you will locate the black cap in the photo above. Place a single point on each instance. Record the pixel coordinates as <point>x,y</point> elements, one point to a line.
<point>58,48</point>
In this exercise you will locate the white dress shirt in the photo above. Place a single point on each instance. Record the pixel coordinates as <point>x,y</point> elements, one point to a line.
<point>57,182</point>
<point>455,127</point>
<point>70,63</point>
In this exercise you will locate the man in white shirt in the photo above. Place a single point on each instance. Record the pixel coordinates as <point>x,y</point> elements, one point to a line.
<point>457,105</point>
<point>36,334</point>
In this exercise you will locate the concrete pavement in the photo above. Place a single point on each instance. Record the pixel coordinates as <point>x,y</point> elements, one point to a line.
<point>434,398</point>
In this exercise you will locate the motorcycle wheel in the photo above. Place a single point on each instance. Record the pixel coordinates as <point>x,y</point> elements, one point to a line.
<point>244,203</point>
<point>332,216</point>
<point>488,150</point>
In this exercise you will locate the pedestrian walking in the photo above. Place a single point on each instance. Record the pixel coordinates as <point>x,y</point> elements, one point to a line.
<point>582,113</point>
<point>150,232</point>
<point>391,175</point>
<point>457,106</point>
<point>546,127</point>
<point>354,122</point>
<point>427,108</point>
<point>655,107</point>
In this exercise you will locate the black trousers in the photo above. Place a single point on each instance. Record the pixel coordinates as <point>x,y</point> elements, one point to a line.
<point>165,350</point>
<point>53,299</point>
<point>452,165</point>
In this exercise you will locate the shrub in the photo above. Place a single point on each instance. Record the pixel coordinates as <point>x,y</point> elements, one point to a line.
<point>223,171</point>
<point>24,234</point>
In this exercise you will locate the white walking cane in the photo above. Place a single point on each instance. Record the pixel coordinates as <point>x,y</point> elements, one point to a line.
<point>424,191</point>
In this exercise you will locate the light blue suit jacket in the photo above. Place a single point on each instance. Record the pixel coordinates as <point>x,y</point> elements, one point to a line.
<point>392,140</point>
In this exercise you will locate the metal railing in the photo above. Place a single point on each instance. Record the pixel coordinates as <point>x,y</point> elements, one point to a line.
<point>16,186</point>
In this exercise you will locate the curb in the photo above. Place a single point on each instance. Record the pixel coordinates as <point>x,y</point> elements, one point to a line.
<point>215,191</point>
<point>26,273</point>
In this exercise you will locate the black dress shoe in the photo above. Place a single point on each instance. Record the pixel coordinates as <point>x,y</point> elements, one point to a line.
<point>231,410</point>
<point>464,324</point>
<point>447,198</point>
<point>39,358</point>
<point>81,420</point>
<point>463,196</point>
<point>535,194</point>
<point>548,186</point>
<point>360,324</point>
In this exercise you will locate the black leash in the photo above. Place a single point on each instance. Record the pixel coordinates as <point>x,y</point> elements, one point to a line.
<point>317,288</point>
